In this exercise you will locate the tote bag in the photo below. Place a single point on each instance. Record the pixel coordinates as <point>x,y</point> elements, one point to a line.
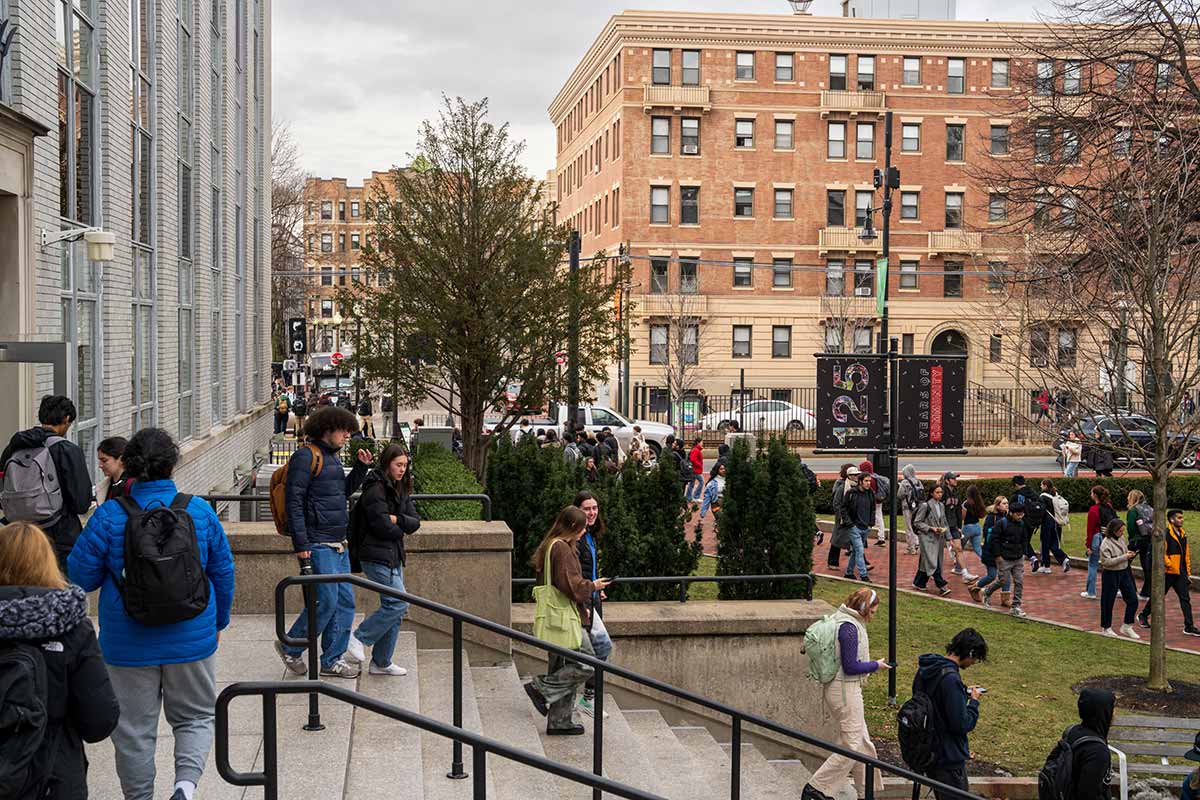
<point>557,619</point>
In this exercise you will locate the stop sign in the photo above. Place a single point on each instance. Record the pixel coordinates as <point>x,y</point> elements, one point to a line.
<point>336,359</point>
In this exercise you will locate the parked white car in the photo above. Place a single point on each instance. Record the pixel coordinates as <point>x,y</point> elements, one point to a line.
<point>761,415</point>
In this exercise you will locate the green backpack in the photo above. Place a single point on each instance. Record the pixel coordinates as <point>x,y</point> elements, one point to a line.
<point>557,617</point>
<point>820,643</point>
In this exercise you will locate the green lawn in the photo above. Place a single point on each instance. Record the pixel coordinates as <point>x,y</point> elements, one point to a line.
<point>1029,674</point>
<point>1073,538</point>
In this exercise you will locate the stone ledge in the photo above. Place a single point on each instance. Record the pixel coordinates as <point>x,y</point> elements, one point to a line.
<point>442,536</point>
<point>699,617</point>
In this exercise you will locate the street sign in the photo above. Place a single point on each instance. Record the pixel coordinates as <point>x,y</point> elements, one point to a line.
<point>336,359</point>
<point>932,391</point>
<point>289,365</point>
<point>850,401</point>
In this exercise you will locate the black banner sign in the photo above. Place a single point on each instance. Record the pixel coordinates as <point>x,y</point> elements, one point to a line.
<point>932,391</point>
<point>850,402</point>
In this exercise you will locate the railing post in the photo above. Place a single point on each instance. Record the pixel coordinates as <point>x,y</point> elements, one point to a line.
<point>456,764</point>
<point>735,761</point>
<point>683,591</point>
<point>870,782</point>
<point>916,795</point>
<point>598,729</point>
<point>270,749</point>
<point>479,767</point>
<point>310,611</point>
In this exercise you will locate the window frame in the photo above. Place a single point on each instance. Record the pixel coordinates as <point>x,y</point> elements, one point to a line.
<point>910,275</point>
<point>742,141</point>
<point>859,142</point>
<point>864,81</point>
<point>915,206</point>
<point>790,196</point>
<point>953,80</point>
<point>684,68</point>
<point>781,268</point>
<point>791,134</point>
<point>658,352</point>
<point>790,67</point>
<point>747,344</point>
<point>995,348</point>
<point>660,275</point>
<point>743,272</point>
<point>739,68</point>
<point>1004,81</point>
<point>905,72</point>
<point>746,202</point>
<point>956,138</point>
<point>830,141</point>
<point>665,206</point>
<point>1072,77</point>
<point>660,143</point>
<point>840,194</point>
<point>997,207</point>
<point>835,277</point>
<point>685,205</point>
<point>842,76</point>
<point>777,341</point>
<point>685,137</point>
<point>952,279</point>
<point>954,218</point>
<point>905,127</point>
<point>995,275</point>
<point>660,75</point>
<point>1001,141</point>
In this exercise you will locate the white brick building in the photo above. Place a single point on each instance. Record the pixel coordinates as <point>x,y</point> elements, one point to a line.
<point>162,138</point>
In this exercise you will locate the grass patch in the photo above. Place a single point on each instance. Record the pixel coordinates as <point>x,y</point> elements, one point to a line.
<point>1073,538</point>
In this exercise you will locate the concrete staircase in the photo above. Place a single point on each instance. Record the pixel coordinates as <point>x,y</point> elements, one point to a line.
<point>361,756</point>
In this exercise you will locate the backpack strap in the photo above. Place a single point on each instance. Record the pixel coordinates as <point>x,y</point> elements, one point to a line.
<point>130,505</point>
<point>318,460</point>
<point>180,503</point>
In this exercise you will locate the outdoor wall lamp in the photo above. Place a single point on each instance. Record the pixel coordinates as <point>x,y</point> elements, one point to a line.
<point>99,241</point>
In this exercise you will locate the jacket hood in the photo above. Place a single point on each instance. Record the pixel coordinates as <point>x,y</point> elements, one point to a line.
<point>32,613</point>
<point>930,665</point>
<point>910,472</point>
<point>34,437</point>
<point>1096,708</point>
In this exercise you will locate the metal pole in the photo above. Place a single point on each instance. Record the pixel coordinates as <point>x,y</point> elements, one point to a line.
<point>625,317</point>
<point>890,392</point>
<point>741,416</point>
<point>479,767</point>
<point>357,367</point>
<point>456,765</point>
<point>573,333</point>
<point>735,761</point>
<point>893,458</point>
<point>310,610</point>
<point>598,729</point>
<point>270,748</point>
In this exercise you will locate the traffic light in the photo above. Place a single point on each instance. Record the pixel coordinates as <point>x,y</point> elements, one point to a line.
<point>297,336</point>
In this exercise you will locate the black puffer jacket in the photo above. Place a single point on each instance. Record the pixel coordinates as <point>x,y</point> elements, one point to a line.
<point>82,705</point>
<point>1008,538</point>
<point>1093,760</point>
<point>383,540</point>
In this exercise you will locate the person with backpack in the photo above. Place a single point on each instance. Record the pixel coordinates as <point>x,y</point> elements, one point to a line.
<point>696,459</point>
<point>1139,525</point>
<point>382,517</point>
<point>944,706</point>
<point>1099,515</point>
<point>713,490</point>
<point>589,565</point>
<point>115,482</point>
<point>160,618</point>
<point>46,479</point>
<point>571,452</point>
<point>952,503</point>
<point>1009,538</point>
<point>283,407</point>
<point>932,527</point>
<point>300,410</point>
<point>1116,576</point>
<point>849,666</point>
<point>995,512</point>
<point>51,674</point>
<point>1034,512</point>
<point>1057,512</point>
<point>883,491</point>
<point>317,491</point>
<point>366,415</point>
<point>1079,766</point>
<point>911,494</point>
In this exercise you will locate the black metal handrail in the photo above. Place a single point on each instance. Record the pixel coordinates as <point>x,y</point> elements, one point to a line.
<point>685,581</point>
<point>213,499</point>
<point>268,778</point>
<point>458,617</point>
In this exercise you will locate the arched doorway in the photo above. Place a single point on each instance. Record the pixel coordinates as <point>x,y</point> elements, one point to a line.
<point>949,342</point>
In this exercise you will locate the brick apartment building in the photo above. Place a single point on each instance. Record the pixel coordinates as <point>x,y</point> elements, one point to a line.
<point>733,155</point>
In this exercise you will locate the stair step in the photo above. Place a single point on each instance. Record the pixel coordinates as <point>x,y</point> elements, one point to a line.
<point>504,712</point>
<point>436,668</point>
<point>756,779</point>
<point>757,772</point>
<point>386,754</point>
<point>674,762</point>
<point>792,770</point>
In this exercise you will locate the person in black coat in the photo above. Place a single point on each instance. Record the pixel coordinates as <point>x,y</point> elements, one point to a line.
<point>39,608</point>
<point>1092,758</point>
<point>383,516</point>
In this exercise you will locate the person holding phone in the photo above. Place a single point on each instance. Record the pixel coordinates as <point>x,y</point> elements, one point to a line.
<point>1116,576</point>
<point>930,521</point>
<point>956,707</point>
<point>589,563</point>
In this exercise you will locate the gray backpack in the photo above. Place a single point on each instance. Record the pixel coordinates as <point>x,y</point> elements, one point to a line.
<point>31,491</point>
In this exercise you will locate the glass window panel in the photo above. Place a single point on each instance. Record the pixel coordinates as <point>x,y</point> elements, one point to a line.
<point>658,276</point>
<point>689,276</point>
<point>783,134</point>
<point>999,140</point>
<point>143,189</point>
<point>956,72</point>
<point>743,271</point>
<point>866,73</point>
<point>835,207</point>
<point>744,133</point>
<point>837,140</point>
<point>912,70</point>
<point>691,68</point>
<point>784,66</point>
<point>64,147</point>
<point>1000,73</point>
<point>783,203</point>
<point>85,271</point>
<point>781,272</point>
<point>910,138</point>
<point>689,205</point>
<point>145,32</point>
<point>745,66</point>
<point>955,142</point>
<point>84,106</point>
<point>908,274</point>
<point>60,30</point>
<point>82,43</point>
<point>743,202</point>
<point>85,359</point>
<point>661,68</point>
<point>741,341</point>
<point>865,140</point>
<point>781,341</point>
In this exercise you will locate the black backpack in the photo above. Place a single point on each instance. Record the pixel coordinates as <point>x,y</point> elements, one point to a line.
<point>915,496</point>
<point>1056,779</point>
<point>1035,511</point>
<point>164,580</point>
<point>24,718</point>
<point>810,477</point>
<point>916,728</point>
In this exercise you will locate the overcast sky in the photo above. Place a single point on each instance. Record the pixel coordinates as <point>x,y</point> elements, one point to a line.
<point>355,85</point>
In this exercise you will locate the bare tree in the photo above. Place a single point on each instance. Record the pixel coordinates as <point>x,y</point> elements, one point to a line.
<point>1101,194</point>
<point>847,311</point>
<point>287,223</point>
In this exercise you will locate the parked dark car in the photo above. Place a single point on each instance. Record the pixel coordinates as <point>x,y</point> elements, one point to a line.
<point>1126,434</point>
<point>338,390</point>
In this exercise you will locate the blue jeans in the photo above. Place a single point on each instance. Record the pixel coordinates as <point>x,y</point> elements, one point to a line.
<point>1094,562</point>
<point>696,481</point>
<point>335,607</point>
<point>1071,468</point>
<point>972,535</point>
<point>992,572</point>
<point>379,631</point>
<point>858,559</point>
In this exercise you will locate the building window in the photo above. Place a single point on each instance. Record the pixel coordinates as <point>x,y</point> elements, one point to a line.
<point>355,209</point>
<point>689,136</point>
<point>743,202</point>
<point>341,242</point>
<point>865,141</point>
<point>691,68</point>
<point>660,198</point>
<point>1043,144</point>
<point>835,277</point>
<point>784,66</point>
<point>906,344</point>
<point>909,208</point>
<point>326,242</point>
<point>837,72</point>
<point>995,348</point>
<point>863,337</point>
<point>1041,211</point>
<point>1043,82</point>
<point>660,135</point>
<point>999,140</point>
<point>661,68</point>
<point>864,277</point>
<point>836,140</point>
<point>1072,77</point>
<point>912,70</point>
<point>862,208</point>
<point>741,341</point>
<point>954,210</point>
<point>781,341</point>
<point>1122,140</point>
<point>689,205</point>
<point>908,274</point>
<point>783,134</point>
<point>1124,75</point>
<point>326,209</point>
<point>743,271</point>
<point>955,75</point>
<point>952,282</point>
<point>1066,347</point>
<point>999,73</point>
<point>996,270</point>
<point>341,210</point>
<point>955,136</point>
<point>833,339</point>
<point>910,137</point>
<point>781,272</point>
<point>327,275</point>
<point>326,309</point>
<point>1070,146</point>
<point>1067,211</point>
<point>1164,75</point>
<point>745,66</point>
<point>743,133</point>
<point>1039,347</point>
<point>355,241</point>
<point>835,207</point>
<point>659,337</point>
<point>658,275</point>
<point>866,73</point>
<point>689,276</point>
<point>783,204</point>
<point>997,207</point>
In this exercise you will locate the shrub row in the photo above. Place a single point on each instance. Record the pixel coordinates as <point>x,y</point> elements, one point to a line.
<point>438,471</point>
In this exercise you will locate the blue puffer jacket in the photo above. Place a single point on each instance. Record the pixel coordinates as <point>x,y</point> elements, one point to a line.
<point>99,554</point>
<point>317,507</point>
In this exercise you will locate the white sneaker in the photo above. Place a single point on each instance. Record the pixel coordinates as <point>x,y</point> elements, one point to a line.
<point>391,669</point>
<point>1110,632</point>
<point>356,649</point>
<point>1088,596</point>
<point>1018,612</point>
<point>957,570</point>
<point>1045,570</point>
<point>967,576</point>
<point>1127,630</point>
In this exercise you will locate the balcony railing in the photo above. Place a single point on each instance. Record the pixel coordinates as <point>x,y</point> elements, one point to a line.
<point>845,239</point>
<point>955,241</point>
<point>1065,242</point>
<point>670,305</point>
<point>675,97</point>
<point>852,102</point>
<point>851,305</point>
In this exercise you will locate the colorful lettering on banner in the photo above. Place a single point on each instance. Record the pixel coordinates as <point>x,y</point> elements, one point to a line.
<point>935,401</point>
<point>932,391</point>
<point>857,378</point>
<point>849,387</point>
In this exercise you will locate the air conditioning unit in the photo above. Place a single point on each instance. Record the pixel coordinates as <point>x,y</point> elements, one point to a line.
<point>862,291</point>
<point>691,149</point>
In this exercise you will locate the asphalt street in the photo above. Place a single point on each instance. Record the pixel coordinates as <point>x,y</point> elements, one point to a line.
<point>967,466</point>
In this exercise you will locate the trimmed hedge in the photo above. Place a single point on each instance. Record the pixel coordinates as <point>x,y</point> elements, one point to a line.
<point>438,471</point>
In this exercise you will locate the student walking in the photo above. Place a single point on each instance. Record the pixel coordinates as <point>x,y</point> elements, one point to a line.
<point>1009,535</point>
<point>1091,760</point>
<point>563,599</point>
<point>954,519</point>
<point>839,540</point>
<point>1043,406</point>
<point>1139,526</point>
<point>1099,515</point>
<point>1034,511</point>
<point>300,409</point>
<point>911,494</point>
<point>383,516</point>
<point>1055,511</point>
<point>696,459</point>
<point>956,708</point>
<point>1072,452</point>
<point>1116,576</point>
<point>995,512</point>
<point>858,511</point>
<point>883,490</point>
<point>932,527</point>
<point>159,624</point>
<point>1177,567</point>
<point>366,415</point>
<point>115,482</point>
<point>44,626</point>
<point>283,407</point>
<point>844,698</point>
<point>318,520</point>
<point>713,490</point>
<point>589,564</point>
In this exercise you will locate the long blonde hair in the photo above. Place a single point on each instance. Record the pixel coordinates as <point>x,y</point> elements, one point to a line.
<point>570,521</point>
<point>27,558</point>
<point>1134,497</point>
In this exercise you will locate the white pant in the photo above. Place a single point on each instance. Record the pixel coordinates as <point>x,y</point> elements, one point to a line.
<point>845,701</point>
<point>880,529</point>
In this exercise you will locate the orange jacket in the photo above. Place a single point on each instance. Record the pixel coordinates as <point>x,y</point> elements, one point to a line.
<point>1177,558</point>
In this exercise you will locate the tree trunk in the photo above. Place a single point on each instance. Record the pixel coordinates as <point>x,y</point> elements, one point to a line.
<point>475,444</point>
<point>1158,546</point>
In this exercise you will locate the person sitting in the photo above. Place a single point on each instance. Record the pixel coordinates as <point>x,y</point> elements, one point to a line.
<point>1191,784</point>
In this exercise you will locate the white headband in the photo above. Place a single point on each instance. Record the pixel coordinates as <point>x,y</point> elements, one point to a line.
<point>873,600</point>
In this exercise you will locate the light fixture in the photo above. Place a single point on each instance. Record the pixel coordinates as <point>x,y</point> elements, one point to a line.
<point>868,231</point>
<point>800,6</point>
<point>99,241</point>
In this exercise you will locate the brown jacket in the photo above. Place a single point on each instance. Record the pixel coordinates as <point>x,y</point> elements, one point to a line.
<point>567,577</point>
